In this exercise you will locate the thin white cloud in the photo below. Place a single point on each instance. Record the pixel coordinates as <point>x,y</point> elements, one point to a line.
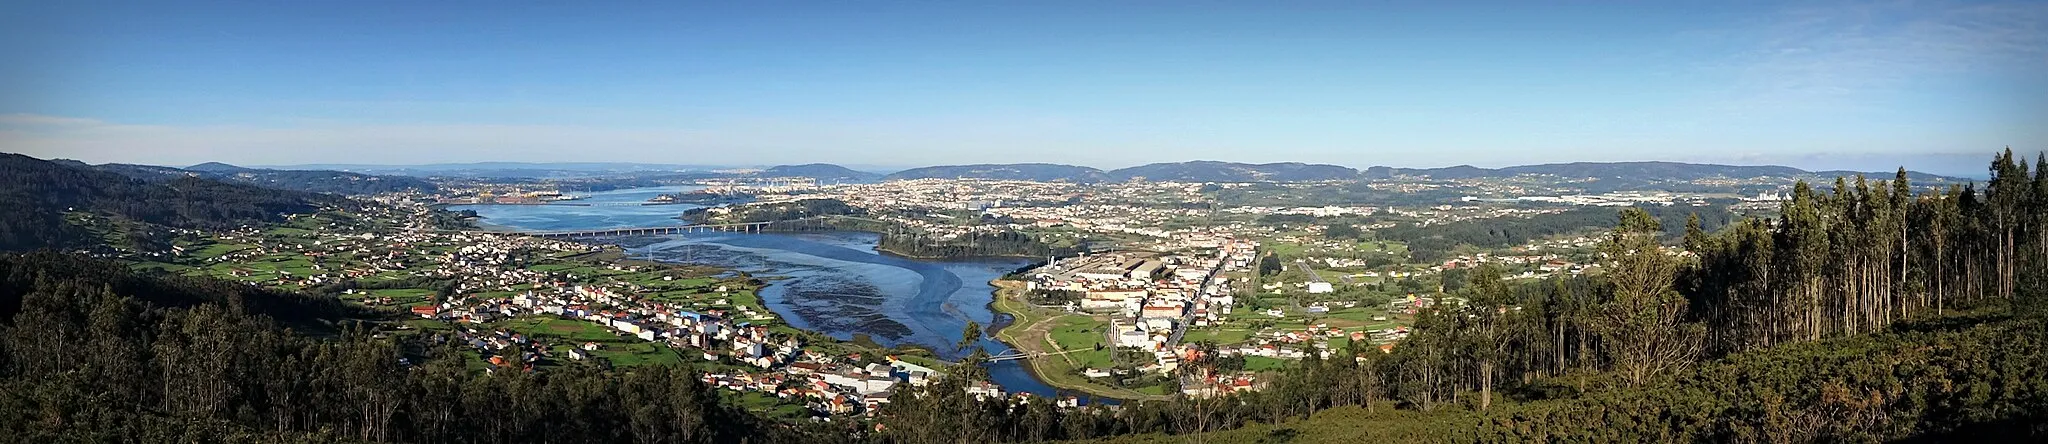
<point>1844,55</point>
<point>22,120</point>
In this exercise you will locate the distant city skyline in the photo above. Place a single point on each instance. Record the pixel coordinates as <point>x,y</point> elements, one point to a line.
<point>1934,86</point>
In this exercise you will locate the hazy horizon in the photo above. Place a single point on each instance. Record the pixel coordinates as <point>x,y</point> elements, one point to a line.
<point>1932,86</point>
<point>1965,165</point>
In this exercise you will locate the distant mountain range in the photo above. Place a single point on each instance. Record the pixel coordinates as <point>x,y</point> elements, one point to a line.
<point>216,167</point>
<point>1211,171</point>
<point>1196,171</point>
<point>40,195</point>
<point>329,178</point>
<point>1632,171</point>
<point>315,181</point>
<point>509,170</point>
<point>820,171</point>
<point>1043,172</point>
<point>471,166</point>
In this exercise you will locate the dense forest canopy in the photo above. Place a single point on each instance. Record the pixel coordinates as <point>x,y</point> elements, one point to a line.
<point>37,194</point>
<point>96,354</point>
<point>973,244</point>
<point>814,214</point>
<point>336,182</point>
<point>770,212</point>
<point>1437,242</point>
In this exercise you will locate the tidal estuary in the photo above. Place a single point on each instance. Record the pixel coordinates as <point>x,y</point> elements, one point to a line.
<point>830,282</point>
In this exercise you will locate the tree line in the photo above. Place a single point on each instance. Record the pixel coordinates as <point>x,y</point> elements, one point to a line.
<point>1868,254</point>
<point>1866,314</point>
<point>1437,242</point>
<point>37,195</point>
<point>895,238</point>
<point>970,244</point>
<point>771,212</point>
<point>94,352</point>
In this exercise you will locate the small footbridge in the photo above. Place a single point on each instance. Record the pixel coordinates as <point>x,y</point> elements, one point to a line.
<point>1016,354</point>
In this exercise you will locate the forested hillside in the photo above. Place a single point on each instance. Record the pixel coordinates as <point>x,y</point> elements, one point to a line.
<point>313,181</point>
<point>974,244</point>
<point>1436,242</point>
<point>805,214</point>
<point>770,212</point>
<point>38,193</point>
<point>95,354</point>
<point>819,171</point>
<point>1043,172</point>
<point>1950,379</point>
<point>1839,321</point>
<point>321,181</point>
<point>1213,171</point>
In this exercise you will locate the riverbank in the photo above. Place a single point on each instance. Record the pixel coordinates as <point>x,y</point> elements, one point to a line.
<point>479,224</point>
<point>835,286</point>
<point>900,254</point>
<point>893,252</point>
<point>1030,330</point>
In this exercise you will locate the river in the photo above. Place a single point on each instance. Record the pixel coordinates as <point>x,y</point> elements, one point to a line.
<point>830,282</point>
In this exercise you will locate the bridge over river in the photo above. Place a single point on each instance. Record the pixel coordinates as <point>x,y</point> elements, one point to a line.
<point>750,227</point>
<point>743,227</point>
<point>562,203</point>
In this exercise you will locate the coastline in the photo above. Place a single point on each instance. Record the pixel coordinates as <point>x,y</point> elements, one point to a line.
<point>878,247</point>
<point>1023,375</point>
<point>1005,289</point>
<point>479,223</point>
<point>895,253</point>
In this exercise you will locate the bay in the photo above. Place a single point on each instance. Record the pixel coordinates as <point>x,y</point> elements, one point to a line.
<point>834,283</point>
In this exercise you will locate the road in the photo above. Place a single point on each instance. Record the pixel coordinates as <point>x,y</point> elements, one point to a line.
<point>1314,277</point>
<point>1187,316</point>
<point>1311,272</point>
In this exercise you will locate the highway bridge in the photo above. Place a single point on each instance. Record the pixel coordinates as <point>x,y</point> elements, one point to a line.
<point>558,203</point>
<point>746,227</point>
<point>750,227</point>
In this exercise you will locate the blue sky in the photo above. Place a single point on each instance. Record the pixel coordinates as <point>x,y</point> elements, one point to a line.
<point>1107,84</point>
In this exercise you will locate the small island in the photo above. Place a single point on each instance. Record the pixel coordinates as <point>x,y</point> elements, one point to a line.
<point>703,197</point>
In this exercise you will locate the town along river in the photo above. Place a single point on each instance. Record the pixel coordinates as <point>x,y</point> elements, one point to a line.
<point>829,282</point>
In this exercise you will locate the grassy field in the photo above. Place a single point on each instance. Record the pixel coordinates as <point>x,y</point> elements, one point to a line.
<point>620,350</point>
<point>567,329</point>
<point>769,406</point>
<point>217,249</point>
<point>638,353</point>
<point>1080,335</point>
<point>1284,249</point>
<point>290,231</point>
<point>401,297</point>
<point>1290,249</point>
<point>1219,335</point>
<point>1034,330</point>
<point>1262,363</point>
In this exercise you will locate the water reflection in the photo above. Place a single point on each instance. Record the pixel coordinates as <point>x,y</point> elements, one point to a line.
<point>830,282</point>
